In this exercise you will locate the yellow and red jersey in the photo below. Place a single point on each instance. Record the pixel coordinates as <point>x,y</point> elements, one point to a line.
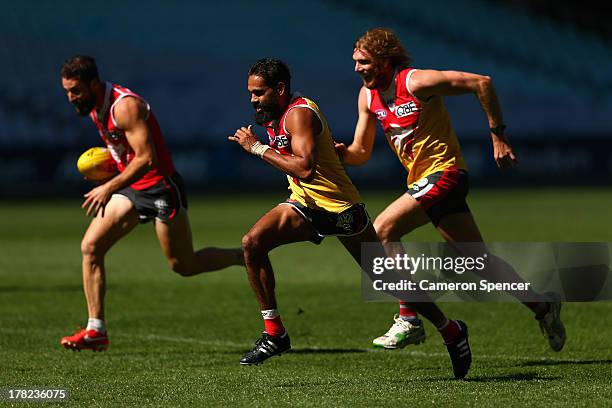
<point>330,189</point>
<point>117,143</point>
<point>419,132</point>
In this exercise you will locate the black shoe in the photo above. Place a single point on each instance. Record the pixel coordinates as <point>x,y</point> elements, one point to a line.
<point>266,347</point>
<point>460,353</point>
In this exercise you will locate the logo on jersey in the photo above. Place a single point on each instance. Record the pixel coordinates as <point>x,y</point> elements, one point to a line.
<point>406,109</point>
<point>381,114</point>
<point>345,221</point>
<point>162,207</point>
<point>114,135</point>
<point>281,141</point>
<point>420,184</point>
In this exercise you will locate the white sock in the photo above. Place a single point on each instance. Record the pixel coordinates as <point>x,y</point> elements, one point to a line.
<point>96,324</point>
<point>269,314</point>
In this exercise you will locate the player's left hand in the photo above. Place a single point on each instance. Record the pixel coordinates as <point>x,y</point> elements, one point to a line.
<point>96,199</point>
<point>502,153</point>
<point>340,149</point>
<point>245,138</point>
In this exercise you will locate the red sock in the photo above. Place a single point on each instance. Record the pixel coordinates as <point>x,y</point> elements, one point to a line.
<point>272,322</point>
<point>406,311</point>
<point>449,331</point>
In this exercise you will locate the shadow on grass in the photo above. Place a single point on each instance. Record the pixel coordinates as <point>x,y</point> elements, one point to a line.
<point>508,378</point>
<point>326,351</point>
<point>518,377</point>
<point>304,351</point>
<point>535,363</point>
<point>58,288</point>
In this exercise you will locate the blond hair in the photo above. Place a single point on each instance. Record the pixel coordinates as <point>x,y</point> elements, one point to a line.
<point>383,44</point>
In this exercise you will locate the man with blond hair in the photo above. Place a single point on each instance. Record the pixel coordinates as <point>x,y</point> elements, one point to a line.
<point>409,105</point>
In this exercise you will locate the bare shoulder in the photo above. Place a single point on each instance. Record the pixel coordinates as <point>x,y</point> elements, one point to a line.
<point>300,119</point>
<point>428,82</point>
<point>129,110</point>
<point>421,78</point>
<point>363,99</point>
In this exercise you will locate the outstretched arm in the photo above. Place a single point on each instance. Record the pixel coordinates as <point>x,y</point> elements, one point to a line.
<point>360,150</point>
<point>303,126</point>
<point>425,84</point>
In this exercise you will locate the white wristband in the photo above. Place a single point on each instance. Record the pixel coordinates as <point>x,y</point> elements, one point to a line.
<point>258,149</point>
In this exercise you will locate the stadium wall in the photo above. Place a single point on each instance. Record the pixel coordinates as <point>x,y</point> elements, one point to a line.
<point>224,167</point>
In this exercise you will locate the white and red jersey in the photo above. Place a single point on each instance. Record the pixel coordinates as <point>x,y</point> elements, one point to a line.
<point>419,132</point>
<point>117,144</point>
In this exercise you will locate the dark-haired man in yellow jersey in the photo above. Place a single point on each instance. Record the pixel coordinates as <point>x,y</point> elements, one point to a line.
<point>409,105</point>
<point>323,202</point>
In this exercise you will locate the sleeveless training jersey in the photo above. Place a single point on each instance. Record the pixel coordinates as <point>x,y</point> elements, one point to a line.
<point>420,133</point>
<point>330,189</point>
<point>117,143</point>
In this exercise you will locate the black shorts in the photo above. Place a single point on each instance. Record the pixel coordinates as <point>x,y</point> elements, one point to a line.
<point>349,222</point>
<point>442,193</point>
<point>161,201</point>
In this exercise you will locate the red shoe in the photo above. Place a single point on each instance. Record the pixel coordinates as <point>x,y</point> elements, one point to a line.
<point>86,339</point>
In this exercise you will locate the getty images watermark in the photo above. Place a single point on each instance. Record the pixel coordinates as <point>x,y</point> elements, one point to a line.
<point>487,272</point>
<point>404,263</point>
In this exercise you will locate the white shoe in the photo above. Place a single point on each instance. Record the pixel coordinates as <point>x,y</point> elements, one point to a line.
<point>552,327</point>
<point>401,334</point>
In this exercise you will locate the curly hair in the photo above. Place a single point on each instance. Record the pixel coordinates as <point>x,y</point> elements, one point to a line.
<point>273,71</point>
<point>383,44</point>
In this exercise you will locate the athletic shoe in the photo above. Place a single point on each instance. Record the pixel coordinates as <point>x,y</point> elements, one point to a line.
<point>402,333</point>
<point>460,353</point>
<point>86,339</point>
<point>552,327</point>
<point>266,347</point>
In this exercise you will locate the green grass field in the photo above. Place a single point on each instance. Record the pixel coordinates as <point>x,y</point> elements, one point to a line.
<point>177,341</point>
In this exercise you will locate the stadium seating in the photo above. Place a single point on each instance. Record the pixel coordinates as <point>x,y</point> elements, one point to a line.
<point>193,64</point>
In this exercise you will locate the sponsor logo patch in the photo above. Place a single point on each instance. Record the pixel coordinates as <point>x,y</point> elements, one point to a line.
<point>281,141</point>
<point>406,109</point>
<point>381,114</point>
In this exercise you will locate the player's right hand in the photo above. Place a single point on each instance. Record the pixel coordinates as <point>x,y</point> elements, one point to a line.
<point>96,200</point>
<point>244,137</point>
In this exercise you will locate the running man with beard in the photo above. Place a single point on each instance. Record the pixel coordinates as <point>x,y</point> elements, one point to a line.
<point>323,202</point>
<point>147,188</point>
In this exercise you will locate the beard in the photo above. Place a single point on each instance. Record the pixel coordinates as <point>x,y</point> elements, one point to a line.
<point>84,107</point>
<point>268,113</point>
